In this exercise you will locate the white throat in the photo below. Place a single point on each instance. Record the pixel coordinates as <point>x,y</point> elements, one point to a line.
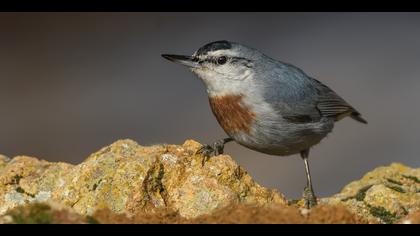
<point>218,84</point>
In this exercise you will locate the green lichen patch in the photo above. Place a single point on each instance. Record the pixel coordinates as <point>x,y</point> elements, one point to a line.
<point>15,180</point>
<point>92,220</point>
<point>396,188</point>
<point>153,187</point>
<point>361,194</point>
<point>44,213</point>
<point>413,178</point>
<point>21,190</point>
<point>393,181</point>
<point>34,214</point>
<point>383,214</point>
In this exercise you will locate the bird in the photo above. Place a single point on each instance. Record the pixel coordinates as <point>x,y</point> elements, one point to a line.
<point>264,104</point>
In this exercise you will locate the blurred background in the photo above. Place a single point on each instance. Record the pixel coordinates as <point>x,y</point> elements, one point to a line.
<point>71,83</point>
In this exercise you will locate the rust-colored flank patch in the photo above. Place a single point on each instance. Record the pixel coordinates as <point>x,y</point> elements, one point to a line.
<point>231,114</point>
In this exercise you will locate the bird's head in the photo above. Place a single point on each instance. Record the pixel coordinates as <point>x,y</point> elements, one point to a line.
<point>225,67</point>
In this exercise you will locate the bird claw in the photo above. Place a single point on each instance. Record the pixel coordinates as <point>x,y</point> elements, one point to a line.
<point>208,151</point>
<point>309,198</point>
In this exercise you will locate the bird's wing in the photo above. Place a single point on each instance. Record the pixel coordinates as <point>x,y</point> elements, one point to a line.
<point>303,99</point>
<point>331,105</point>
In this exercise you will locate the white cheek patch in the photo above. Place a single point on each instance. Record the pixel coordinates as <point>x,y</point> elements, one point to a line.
<point>242,74</point>
<point>227,72</point>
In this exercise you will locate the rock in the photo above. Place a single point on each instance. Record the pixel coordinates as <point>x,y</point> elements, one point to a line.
<point>383,195</point>
<point>248,214</point>
<point>41,213</point>
<point>3,161</point>
<point>234,213</point>
<point>129,183</point>
<point>412,218</point>
<point>128,178</point>
<point>26,180</point>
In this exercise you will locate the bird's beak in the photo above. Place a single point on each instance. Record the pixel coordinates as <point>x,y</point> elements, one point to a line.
<point>183,60</point>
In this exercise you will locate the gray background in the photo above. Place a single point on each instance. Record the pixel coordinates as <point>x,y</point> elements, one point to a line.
<point>71,83</point>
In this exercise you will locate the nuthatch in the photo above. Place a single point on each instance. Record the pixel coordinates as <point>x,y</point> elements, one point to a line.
<point>264,104</point>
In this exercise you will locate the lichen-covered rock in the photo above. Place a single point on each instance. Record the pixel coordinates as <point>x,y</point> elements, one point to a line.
<point>233,214</point>
<point>42,213</point>
<point>21,182</point>
<point>128,178</point>
<point>411,218</point>
<point>129,183</point>
<point>383,195</point>
<point>3,161</point>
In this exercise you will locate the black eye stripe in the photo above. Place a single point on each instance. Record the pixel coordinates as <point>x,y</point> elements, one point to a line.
<point>214,59</point>
<point>246,62</point>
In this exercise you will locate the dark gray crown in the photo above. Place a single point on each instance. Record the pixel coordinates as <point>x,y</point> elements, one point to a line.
<point>214,46</point>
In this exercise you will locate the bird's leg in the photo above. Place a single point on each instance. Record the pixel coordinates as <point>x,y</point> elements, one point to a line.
<point>213,150</point>
<point>308,192</point>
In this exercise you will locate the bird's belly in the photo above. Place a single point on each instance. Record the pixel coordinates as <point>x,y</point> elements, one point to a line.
<point>283,139</point>
<point>259,128</point>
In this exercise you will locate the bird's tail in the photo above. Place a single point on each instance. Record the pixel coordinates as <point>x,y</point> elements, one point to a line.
<point>357,116</point>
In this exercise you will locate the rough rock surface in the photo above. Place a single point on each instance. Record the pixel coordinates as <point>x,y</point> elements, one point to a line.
<point>128,178</point>
<point>42,213</point>
<point>129,183</point>
<point>386,194</point>
<point>235,213</point>
<point>3,161</point>
<point>411,218</point>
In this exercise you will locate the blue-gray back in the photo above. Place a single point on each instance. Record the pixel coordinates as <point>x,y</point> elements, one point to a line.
<point>298,97</point>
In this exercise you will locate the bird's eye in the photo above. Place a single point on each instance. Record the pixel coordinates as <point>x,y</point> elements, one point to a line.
<point>221,60</point>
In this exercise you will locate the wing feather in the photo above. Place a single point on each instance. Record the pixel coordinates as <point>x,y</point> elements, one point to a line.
<point>331,105</point>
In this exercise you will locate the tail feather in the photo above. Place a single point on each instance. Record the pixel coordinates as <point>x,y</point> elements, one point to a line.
<point>357,116</point>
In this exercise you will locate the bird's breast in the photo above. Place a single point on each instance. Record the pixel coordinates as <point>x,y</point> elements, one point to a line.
<point>231,113</point>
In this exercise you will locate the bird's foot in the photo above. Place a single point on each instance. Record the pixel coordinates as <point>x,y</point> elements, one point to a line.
<point>309,198</point>
<point>208,151</point>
